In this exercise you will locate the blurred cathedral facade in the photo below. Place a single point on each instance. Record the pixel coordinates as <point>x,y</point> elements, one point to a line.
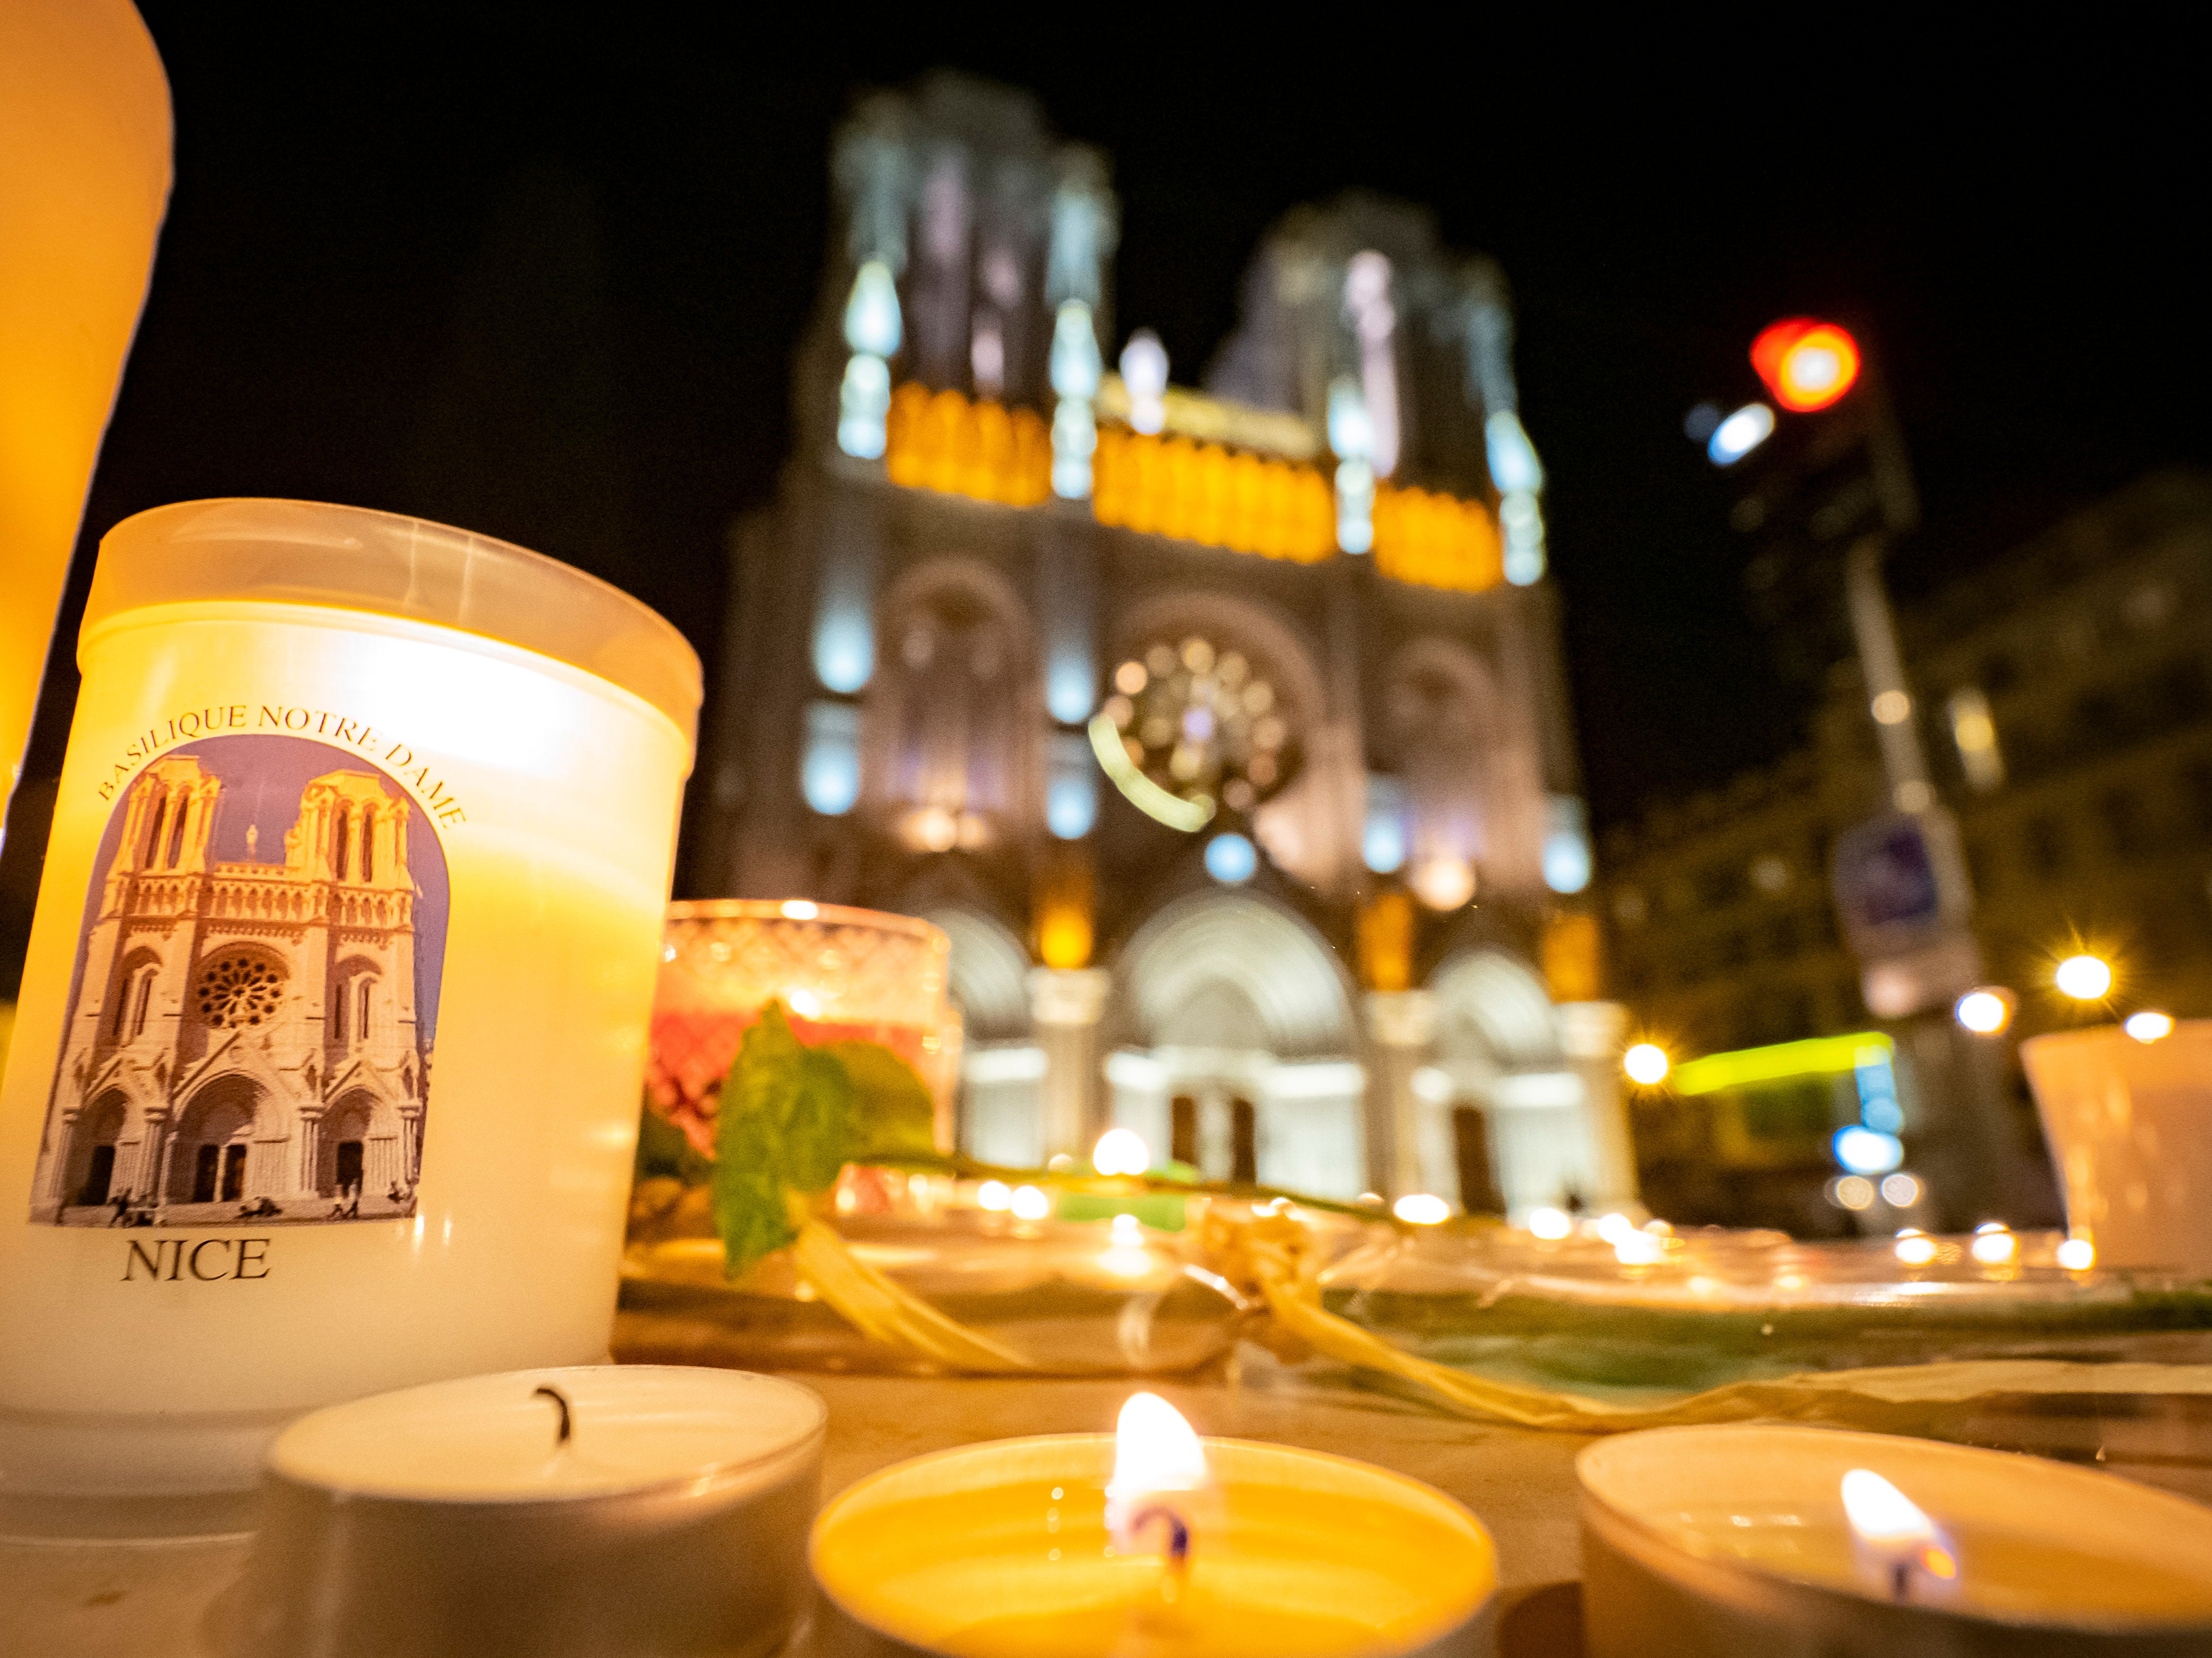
<point>1223,730</point>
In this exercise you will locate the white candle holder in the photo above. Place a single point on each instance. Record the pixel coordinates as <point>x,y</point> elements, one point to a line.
<point>326,1070</point>
<point>2129,1125</point>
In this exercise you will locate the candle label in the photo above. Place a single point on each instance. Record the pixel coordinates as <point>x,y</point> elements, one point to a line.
<point>253,1001</point>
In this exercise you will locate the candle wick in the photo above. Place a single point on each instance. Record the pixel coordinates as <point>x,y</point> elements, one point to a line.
<point>1178,1532</point>
<point>1900,1581</point>
<point>560,1404</point>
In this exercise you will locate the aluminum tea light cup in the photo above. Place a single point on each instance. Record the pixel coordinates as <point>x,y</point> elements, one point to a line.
<point>555,1514</point>
<point>1098,1544</point>
<point>1803,1541</point>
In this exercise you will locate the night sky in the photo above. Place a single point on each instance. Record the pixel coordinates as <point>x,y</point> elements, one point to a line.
<point>547,286</point>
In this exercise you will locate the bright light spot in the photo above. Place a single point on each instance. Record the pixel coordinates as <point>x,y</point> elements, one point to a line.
<point>1073,364</point>
<point>1807,365</point>
<point>1658,1229</point>
<point>1145,373</point>
<point>932,829</point>
<point>994,1195</point>
<point>1790,1280</point>
<point>1549,1222</point>
<point>1566,844</point>
<point>1901,1190</point>
<point>1029,1204</point>
<point>1646,1063</point>
<point>1443,883</point>
<point>1512,457</point>
<point>801,909</point>
<point>1383,838</point>
<point>2077,1254</point>
<point>2150,1027</point>
<point>2084,978</point>
<point>1125,1263</point>
<point>1740,434</point>
<point>1983,1011</point>
<point>1127,1231</point>
<point>829,762</point>
<point>1893,708</point>
<point>804,1004</point>
<point>1155,1450</point>
<point>1880,1513</point>
<point>1916,1249</point>
<point>1612,1226</point>
<point>862,401</point>
<point>1640,1249</point>
<point>1230,859</point>
<point>872,312</point>
<point>1121,1151</point>
<point>1868,1151</point>
<point>1071,807</point>
<point>1853,1191</point>
<point>1522,523</point>
<point>1421,1209</point>
<point>1994,1248</point>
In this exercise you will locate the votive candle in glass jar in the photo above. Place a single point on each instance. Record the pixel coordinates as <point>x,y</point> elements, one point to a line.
<point>326,1072</point>
<point>843,974</point>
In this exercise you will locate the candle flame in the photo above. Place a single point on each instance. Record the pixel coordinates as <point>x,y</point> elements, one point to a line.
<point>1881,1514</point>
<point>1155,1450</point>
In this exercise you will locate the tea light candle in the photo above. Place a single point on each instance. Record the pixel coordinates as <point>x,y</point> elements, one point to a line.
<point>1150,1543</point>
<point>1813,1541</point>
<point>326,1074</point>
<point>595,1510</point>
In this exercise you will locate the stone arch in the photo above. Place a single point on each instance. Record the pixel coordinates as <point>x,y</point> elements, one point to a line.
<point>212,1156</point>
<point>1499,1042</point>
<point>350,1003</point>
<point>948,733</point>
<point>134,981</point>
<point>1472,797</point>
<point>91,1175</point>
<point>1236,951</point>
<point>988,975</point>
<point>1492,1009</point>
<point>359,1143</point>
<point>1243,1018</point>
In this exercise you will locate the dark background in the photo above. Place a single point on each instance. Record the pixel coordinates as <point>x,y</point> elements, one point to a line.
<point>547,285</point>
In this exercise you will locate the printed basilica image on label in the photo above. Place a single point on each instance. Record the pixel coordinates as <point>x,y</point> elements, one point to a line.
<point>254,998</point>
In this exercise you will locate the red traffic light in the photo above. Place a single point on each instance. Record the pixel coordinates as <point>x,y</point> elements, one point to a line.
<point>1806,364</point>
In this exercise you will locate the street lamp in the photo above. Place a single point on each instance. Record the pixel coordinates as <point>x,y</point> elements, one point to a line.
<point>2085,978</point>
<point>1646,1063</point>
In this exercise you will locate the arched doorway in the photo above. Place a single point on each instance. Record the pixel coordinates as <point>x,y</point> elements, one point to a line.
<point>1504,1108</point>
<point>1239,1036</point>
<point>1001,1063</point>
<point>341,1148</point>
<point>949,740</point>
<point>211,1158</point>
<point>90,1180</point>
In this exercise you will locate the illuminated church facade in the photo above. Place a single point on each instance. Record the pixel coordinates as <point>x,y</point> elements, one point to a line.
<point>1223,729</point>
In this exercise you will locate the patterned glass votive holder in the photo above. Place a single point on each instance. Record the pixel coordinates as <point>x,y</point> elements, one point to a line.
<point>841,974</point>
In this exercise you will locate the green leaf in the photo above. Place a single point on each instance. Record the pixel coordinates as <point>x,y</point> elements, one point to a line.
<point>665,1151</point>
<point>822,1133</point>
<point>759,1097</point>
<point>896,1119</point>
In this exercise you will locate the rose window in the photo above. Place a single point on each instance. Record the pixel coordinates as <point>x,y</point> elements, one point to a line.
<point>1201,725</point>
<point>238,989</point>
